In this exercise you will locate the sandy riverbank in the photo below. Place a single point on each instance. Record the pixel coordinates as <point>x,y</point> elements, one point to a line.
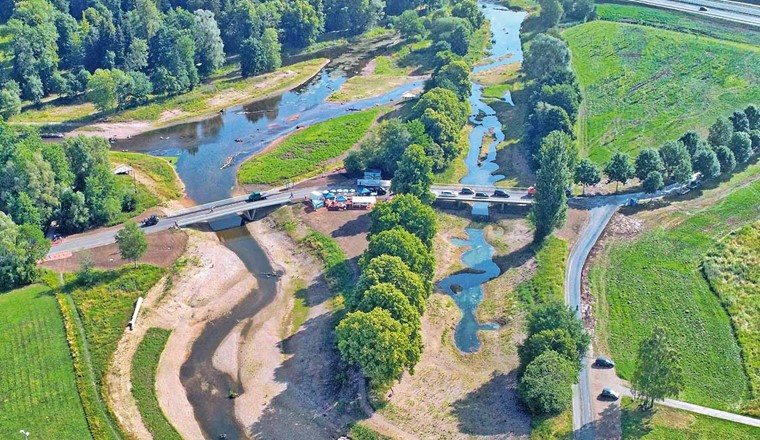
<point>212,283</point>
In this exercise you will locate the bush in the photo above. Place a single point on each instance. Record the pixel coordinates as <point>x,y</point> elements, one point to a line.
<point>546,385</point>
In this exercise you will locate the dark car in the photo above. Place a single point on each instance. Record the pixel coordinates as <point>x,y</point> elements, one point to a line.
<point>150,221</point>
<point>481,195</point>
<point>380,191</point>
<point>604,362</point>
<point>466,191</point>
<point>501,193</point>
<point>609,394</point>
<point>702,9</point>
<point>256,196</point>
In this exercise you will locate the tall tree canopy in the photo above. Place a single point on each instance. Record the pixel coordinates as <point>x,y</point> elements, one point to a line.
<point>400,243</point>
<point>550,205</point>
<point>408,212</point>
<point>658,373</point>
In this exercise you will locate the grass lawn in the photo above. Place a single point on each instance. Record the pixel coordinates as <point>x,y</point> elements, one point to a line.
<point>308,152</point>
<point>38,390</point>
<point>553,428</point>
<point>106,306</point>
<point>678,21</point>
<point>218,92</point>
<point>167,184</point>
<point>643,86</point>
<point>733,271</point>
<point>548,284</point>
<point>669,423</point>
<point>656,279</point>
<point>144,367</point>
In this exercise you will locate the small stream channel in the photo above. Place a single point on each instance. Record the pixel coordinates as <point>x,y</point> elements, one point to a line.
<point>465,287</point>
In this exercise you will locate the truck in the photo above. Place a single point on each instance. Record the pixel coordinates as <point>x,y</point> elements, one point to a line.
<point>256,196</point>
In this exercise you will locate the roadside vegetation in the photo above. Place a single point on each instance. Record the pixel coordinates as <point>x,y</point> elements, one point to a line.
<point>671,424</point>
<point>733,271</point>
<point>144,366</point>
<point>629,285</point>
<point>38,379</point>
<point>309,152</point>
<point>643,86</point>
<point>548,283</point>
<point>158,170</point>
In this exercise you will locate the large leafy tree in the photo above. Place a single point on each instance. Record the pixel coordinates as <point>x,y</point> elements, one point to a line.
<point>545,119</point>
<point>20,249</point>
<point>300,23</point>
<point>619,169</point>
<point>753,117</point>
<point>726,158</point>
<point>587,173</point>
<point>454,76</point>
<point>443,101</point>
<point>392,270</point>
<point>677,161</point>
<point>131,241</point>
<point>557,340</point>
<point>102,196</point>
<point>653,182</point>
<point>739,121</point>
<point>691,141</point>
<point>658,374</point>
<point>10,99</point>
<point>720,132</point>
<point>209,49</point>
<point>544,55</point>
<point>84,154</point>
<point>414,174</point>
<point>408,212</point>
<point>550,205</point>
<point>388,297</point>
<point>377,344</point>
<point>546,386</point>
<point>259,55</point>
<point>454,33</point>
<point>400,243</point>
<point>73,214</point>
<point>647,161</point>
<point>551,12</point>
<point>353,16</point>
<point>410,25</point>
<point>469,10</point>
<point>705,161</point>
<point>554,316</point>
<point>741,145</point>
<point>564,95</point>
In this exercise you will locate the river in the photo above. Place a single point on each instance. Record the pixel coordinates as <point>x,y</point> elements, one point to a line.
<point>466,288</point>
<point>201,148</point>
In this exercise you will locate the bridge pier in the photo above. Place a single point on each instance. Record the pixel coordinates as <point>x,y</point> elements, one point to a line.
<point>249,215</point>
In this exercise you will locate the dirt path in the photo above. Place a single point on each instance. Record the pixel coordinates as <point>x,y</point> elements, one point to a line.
<point>212,283</point>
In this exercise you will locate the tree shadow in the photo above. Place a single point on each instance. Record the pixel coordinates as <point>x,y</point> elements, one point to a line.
<point>353,227</point>
<point>493,409</point>
<point>516,258</point>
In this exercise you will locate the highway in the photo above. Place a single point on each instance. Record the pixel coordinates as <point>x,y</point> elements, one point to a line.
<point>238,205</point>
<point>728,10</point>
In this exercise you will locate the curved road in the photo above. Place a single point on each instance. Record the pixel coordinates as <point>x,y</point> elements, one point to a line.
<point>726,10</point>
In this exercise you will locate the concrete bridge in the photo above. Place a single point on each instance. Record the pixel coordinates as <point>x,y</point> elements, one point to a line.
<point>240,206</point>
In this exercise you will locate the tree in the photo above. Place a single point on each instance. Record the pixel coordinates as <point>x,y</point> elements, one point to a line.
<point>578,9</point>
<point>545,54</point>
<point>414,174</point>
<point>10,99</point>
<point>653,182</point>
<point>587,173</point>
<point>690,140</point>
<point>550,204</point>
<point>136,57</point>
<point>408,212</point>
<point>353,16</point>
<point>20,249</point>
<point>387,297</point>
<point>706,163</point>
<point>400,243</point>
<point>720,132</point>
<point>376,343</point>
<point>545,119</point>
<point>102,90</point>
<point>726,159</point>
<point>557,340</point>
<point>647,161</point>
<point>657,374</point>
<point>410,25</point>
<point>566,96</point>
<point>677,161</point>
<point>132,242</point>
<point>73,215</point>
<point>300,24</point>
<point>454,76</point>
<point>455,32</point>
<point>396,7</point>
<point>554,316</point>
<point>741,145</point>
<point>84,154</point>
<point>619,169</point>
<point>23,210</point>
<point>546,386</point>
<point>102,196</point>
<point>753,117</point>
<point>144,20</point>
<point>551,12</point>
<point>739,121</point>
<point>754,137</point>
<point>443,101</point>
<point>260,55</point>
<point>469,10</point>
<point>171,60</point>
<point>209,49</point>
<point>390,269</point>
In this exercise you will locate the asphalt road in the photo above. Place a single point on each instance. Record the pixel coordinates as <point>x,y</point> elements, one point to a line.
<point>727,10</point>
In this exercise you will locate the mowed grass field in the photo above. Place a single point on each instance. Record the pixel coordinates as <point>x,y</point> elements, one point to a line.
<point>38,390</point>
<point>167,184</point>
<point>656,279</point>
<point>144,368</point>
<point>733,271</point>
<point>673,424</point>
<point>643,86</point>
<point>308,152</point>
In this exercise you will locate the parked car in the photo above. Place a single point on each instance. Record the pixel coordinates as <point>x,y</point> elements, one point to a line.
<point>467,191</point>
<point>446,194</point>
<point>501,193</point>
<point>481,195</point>
<point>150,221</point>
<point>604,362</point>
<point>703,9</point>
<point>531,191</point>
<point>256,196</point>
<point>609,393</point>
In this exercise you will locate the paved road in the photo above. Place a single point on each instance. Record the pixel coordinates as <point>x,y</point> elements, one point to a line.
<point>238,205</point>
<point>727,10</point>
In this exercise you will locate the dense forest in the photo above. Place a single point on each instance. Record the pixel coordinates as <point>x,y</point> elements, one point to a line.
<point>118,53</point>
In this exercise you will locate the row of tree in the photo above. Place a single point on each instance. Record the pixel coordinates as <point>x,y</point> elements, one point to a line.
<point>381,331</point>
<point>730,141</point>
<point>550,358</point>
<point>142,47</point>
